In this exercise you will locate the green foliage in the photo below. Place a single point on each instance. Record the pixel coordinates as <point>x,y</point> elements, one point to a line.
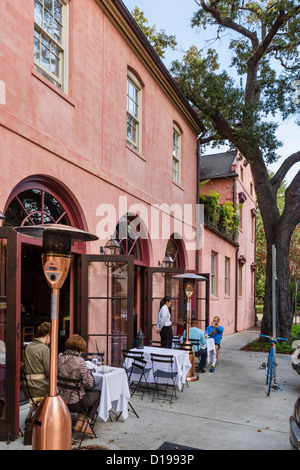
<point>265,54</point>
<point>295,332</point>
<point>158,39</point>
<point>224,216</point>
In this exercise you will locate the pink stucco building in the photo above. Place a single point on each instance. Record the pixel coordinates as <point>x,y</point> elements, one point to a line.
<point>230,257</point>
<point>94,133</point>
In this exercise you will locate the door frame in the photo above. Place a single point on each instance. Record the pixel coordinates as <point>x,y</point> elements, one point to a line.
<point>150,272</point>
<point>100,258</point>
<point>9,426</point>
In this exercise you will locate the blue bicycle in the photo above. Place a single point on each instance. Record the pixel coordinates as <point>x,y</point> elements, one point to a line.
<point>271,364</point>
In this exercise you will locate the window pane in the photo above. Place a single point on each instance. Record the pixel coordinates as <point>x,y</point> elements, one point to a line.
<point>36,49</point>
<point>57,10</point>
<point>38,12</point>
<point>49,5</point>
<point>48,22</point>
<point>54,65</point>
<point>45,57</point>
<point>57,31</point>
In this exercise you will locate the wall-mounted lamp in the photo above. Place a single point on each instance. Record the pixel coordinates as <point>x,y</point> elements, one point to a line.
<point>167,262</point>
<point>112,247</point>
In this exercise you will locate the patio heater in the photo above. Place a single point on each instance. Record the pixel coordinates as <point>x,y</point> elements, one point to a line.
<point>189,280</point>
<point>52,427</point>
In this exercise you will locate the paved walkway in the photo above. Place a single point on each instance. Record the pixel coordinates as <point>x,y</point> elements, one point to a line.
<point>227,409</point>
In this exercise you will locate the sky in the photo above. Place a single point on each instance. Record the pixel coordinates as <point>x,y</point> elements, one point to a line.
<point>174,16</point>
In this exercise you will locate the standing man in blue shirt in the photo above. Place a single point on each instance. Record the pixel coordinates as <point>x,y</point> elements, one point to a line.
<point>215,331</point>
<point>201,350</point>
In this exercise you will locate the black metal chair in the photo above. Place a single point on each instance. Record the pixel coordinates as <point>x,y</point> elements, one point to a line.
<point>138,366</point>
<point>195,342</point>
<point>33,403</point>
<point>132,365</point>
<point>162,377</point>
<point>177,342</point>
<point>89,416</point>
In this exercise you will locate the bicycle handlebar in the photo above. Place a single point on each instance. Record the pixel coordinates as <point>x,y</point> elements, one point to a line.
<point>272,339</point>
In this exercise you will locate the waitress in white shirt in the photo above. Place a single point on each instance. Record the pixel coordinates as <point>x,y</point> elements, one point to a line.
<point>164,324</point>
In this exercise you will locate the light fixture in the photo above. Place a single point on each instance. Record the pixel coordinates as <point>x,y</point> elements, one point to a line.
<point>167,262</point>
<point>52,427</point>
<point>189,280</point>
<point>112,247</point>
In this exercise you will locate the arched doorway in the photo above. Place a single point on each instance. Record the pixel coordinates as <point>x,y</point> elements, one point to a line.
<point>40,200</point>
<point>133,238</point>
<point>35,200</point>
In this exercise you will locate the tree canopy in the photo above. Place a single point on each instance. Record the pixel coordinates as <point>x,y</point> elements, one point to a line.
<point>265,55</point>
<point>241,106</point>
<point>158,39</point>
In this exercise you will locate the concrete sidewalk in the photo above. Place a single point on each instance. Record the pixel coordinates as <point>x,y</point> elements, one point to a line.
<point>227,409</point>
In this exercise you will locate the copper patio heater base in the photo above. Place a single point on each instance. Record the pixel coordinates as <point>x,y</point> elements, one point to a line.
<point>190,376</point>
<point>188,285</point>
<point>52,426</point>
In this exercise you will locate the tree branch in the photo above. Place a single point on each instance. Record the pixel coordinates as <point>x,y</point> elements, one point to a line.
<point>279,176</point>
<point>260,51</point>
<point>228,22</point>
<point>220,124</point>
<point>206,140</point>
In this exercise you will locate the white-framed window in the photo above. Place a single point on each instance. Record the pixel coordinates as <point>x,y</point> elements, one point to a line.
<point>50,40</point>
<point>134,111</point>
<point>176,154</point>
<point>226,278</point>
<point>213,273</point>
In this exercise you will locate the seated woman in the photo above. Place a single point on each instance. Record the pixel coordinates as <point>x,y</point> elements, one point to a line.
<point>72,366</point>
<point>37,364</point>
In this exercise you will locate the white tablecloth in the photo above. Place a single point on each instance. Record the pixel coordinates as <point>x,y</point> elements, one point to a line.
<point>181,363</point>
<point>114,392</point>
<point>211,350</point>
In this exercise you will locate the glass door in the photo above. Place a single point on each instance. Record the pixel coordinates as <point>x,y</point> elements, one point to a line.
<point>9,334</point>
<point>202,306</point>
<point>107,305</point>
<point>161,284</point>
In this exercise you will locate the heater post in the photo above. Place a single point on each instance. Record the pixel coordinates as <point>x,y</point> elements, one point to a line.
<point>54,312</point>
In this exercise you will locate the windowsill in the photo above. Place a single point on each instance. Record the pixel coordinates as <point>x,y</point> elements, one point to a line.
<point>136,152</point>
<point>52,87</point>
<point>178,185</point>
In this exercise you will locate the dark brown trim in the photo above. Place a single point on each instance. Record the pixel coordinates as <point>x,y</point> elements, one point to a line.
<point>9,426</point>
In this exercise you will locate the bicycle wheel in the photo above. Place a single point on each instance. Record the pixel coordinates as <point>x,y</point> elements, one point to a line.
<point>270,375</point>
